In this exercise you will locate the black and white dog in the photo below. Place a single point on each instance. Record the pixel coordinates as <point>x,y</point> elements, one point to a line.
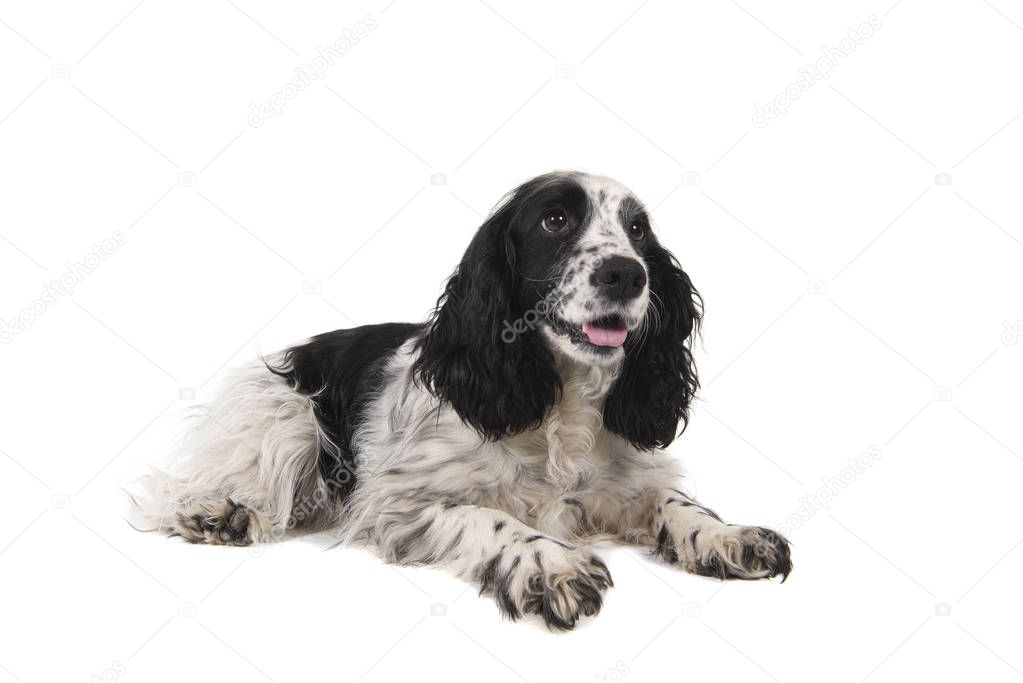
<point>523,421</point>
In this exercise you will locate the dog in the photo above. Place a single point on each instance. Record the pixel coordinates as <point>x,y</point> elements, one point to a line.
<point>525,420</point>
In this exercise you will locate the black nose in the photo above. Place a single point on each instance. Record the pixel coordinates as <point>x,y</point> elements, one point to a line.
<point>620,278</point>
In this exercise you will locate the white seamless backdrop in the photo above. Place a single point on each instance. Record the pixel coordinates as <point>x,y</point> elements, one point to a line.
<point>185,184</point>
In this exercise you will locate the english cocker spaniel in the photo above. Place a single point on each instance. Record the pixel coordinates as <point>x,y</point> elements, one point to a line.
<point>523,421</point>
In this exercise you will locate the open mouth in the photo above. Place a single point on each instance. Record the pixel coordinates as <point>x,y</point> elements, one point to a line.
<point>606,333</point>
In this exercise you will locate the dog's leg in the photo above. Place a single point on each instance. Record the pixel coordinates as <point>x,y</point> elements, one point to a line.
<point>526,571</point>
<point>247,470</point>
<point>685,533</point>
<point>693,536</point>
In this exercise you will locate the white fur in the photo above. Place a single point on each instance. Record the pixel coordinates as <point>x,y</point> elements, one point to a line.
<point>255,444</point>
<point>510,513</point>
<point>412,444</point>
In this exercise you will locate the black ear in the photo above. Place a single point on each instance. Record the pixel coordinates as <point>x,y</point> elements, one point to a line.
<point>497,386</point>
<point>658,380</point>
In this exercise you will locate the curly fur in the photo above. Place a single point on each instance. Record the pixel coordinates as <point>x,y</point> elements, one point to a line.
<point>526,419</point>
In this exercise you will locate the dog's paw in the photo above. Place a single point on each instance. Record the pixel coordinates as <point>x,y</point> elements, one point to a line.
<point>728,552</point>
<point>220,523</point>
<point>546,578</point>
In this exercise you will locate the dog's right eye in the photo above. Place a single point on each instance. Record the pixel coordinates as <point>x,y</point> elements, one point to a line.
<point>554,221</point>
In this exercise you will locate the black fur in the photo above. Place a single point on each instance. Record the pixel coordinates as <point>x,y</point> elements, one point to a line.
<point>496,387</point>
<point>502,388</point>
<point>340,371</point>
<point>528,250</point>
<point>666,546</point>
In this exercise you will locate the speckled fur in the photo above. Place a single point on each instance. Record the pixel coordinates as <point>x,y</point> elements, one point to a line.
<point>513,514</point>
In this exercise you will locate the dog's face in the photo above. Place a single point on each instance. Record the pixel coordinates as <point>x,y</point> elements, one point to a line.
<point>566,264</point>
<point>580,243</point>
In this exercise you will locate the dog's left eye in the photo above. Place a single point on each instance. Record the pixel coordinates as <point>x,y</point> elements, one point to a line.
<point>554,221</point>
<point>637,232</point>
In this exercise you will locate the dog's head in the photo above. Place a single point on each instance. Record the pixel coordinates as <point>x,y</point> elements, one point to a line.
<point>567,264</point>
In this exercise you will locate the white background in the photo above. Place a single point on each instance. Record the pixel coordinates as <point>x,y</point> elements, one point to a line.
<point>855,300</point>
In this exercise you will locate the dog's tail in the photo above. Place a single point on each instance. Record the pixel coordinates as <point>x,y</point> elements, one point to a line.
<point>247,470</point>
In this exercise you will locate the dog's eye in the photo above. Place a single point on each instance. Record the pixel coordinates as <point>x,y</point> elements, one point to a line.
<point>554,221</point>
<point>637,232</point>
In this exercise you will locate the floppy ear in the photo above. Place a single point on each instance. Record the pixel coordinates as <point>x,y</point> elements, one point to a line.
<point>497,385</point>
<point>658,380</point>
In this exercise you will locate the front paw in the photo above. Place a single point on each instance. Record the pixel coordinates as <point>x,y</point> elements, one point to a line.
<point>546,578</point>
<point>729,552</point>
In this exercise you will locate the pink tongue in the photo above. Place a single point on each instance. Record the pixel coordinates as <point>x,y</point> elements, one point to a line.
<point>606,336</point>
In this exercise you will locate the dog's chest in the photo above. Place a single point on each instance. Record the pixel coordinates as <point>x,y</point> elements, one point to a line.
<point>539,475</point>
<point>544,473</point>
